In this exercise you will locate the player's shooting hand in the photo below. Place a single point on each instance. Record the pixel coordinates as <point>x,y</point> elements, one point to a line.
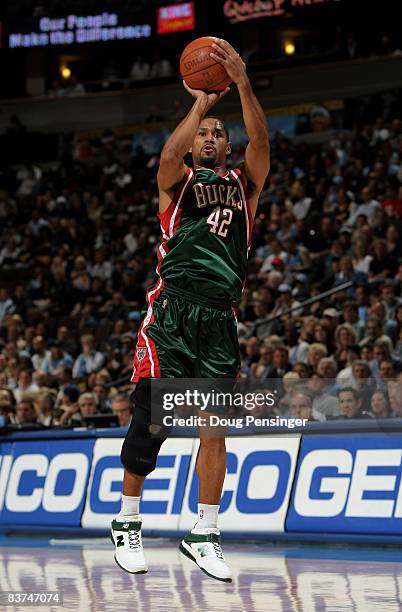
<point>208,99</point>
<point>230,60</point>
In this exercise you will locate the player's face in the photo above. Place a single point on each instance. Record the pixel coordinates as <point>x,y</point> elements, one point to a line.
<point>210,145</point>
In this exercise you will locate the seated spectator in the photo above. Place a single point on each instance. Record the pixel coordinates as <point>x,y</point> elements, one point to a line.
<point>367,207</point>
<point>40,353</point>
<point>301,405</point>
<point>382,265</point>
<point>56,358</point>
<point>298,349</point>
<point>301,369</point>
<point>68,344</point>
<point>350,313</point>
<point>89,360</point>
<point>374,333</point>
<point>345,336</point>
<point>395,397</point>
<point>74,414</point>
<point>259,369</point>
<point>291,381</point>
<point>44,406</point>
<point>350,404</point>
<point>102,396</point>
<point>25,415</point>
<point>381,352</point>
<point>101,269</point>
<point>345,377</point>
<point>361,258</point>
<point>7,305</point>
<point>328,370</point>
<point>280,363</point>
<point>380,406</point>
<point>251,355</point>
<point>121,408</point>
<point>140,69</point>
<point>362,382</point>
<point>25,387</point>
<point>324,405</point>
<point>161,67</point>
<point>316,352</point>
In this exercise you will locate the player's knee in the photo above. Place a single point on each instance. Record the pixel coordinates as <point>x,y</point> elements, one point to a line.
<point>140,450</point>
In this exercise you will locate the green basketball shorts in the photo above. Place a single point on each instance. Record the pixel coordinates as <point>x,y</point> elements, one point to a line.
<point>186,336</point>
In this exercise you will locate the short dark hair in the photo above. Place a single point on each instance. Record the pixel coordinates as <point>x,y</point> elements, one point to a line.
<point>349,390</point>
<point>220,121</point>
<point>26,402</point>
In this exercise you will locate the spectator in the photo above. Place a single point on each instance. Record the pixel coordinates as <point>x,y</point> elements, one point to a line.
<point>367,207</point>
<point>40,354</point>
<point>316,352</point>
<point>161,67</point>
<point>301,405</point>
<point>395,397</point>
<point>26,387</point>
<point>56,358</point>
<point>25,414</point>
<point>122,409</point>
<point>89,360</point>
<point>74,414</point>
<point>374,333</point>
<point>350,404</point>
<point>324,405</point>
<point>379,404</point>
<point>6,303</point>
<point>140,69</point>
<point>261,368</point>
<point>44,406</point>
<point>345,377</point>
<point>345,336</point>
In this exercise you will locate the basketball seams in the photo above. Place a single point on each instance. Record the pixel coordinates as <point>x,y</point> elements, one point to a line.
<point>193,49</point>
<point>216,83</point>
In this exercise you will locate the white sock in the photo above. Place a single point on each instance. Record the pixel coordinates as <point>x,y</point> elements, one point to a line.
<point>207,517</point>
<point>130,506</point>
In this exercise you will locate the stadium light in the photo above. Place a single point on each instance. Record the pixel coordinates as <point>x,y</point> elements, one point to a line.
<point>65,72</point>
<point>289,48</point>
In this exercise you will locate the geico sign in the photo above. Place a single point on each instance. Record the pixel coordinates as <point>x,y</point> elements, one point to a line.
<point>366,483</point>
<point>55,485</point>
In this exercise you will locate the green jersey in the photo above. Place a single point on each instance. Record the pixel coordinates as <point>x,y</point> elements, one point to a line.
<point>206,236</point>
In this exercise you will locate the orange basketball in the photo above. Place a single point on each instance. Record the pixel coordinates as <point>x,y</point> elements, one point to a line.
<point>199,70</point>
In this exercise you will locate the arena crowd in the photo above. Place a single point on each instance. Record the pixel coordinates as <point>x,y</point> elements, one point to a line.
<point>78,246</point>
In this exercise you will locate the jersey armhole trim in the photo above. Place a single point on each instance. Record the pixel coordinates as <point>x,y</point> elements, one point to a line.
<point>170,213</point>
<point>248,214</point>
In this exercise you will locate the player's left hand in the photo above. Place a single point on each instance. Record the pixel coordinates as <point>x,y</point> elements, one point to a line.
<point>209,99</point>
<point>230,59</point>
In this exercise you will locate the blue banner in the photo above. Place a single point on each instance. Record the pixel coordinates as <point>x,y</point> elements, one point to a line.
<point>348,484</point>
<point>44,482</point>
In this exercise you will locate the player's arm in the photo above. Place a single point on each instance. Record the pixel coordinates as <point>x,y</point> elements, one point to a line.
<point>256,166</point>
<point>172,168</point>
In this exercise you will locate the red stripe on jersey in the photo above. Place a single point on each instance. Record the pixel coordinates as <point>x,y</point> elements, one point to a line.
<point>166,215</point>
<point>250,219</point>
<point>146,361</point>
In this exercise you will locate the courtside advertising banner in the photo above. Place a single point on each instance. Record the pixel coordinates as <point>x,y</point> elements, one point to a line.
<point>164,488</point>
<point>44,482</point>
<point>348,484</point>
<point>257,485</point>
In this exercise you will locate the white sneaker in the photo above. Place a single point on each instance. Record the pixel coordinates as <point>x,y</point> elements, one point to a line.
<point>129,555</point>
<point>204,548</point>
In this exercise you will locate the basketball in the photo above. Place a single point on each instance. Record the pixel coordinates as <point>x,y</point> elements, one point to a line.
<point>200,70</point>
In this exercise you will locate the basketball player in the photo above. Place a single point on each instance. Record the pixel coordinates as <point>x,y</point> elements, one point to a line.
<point>189,331</point>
